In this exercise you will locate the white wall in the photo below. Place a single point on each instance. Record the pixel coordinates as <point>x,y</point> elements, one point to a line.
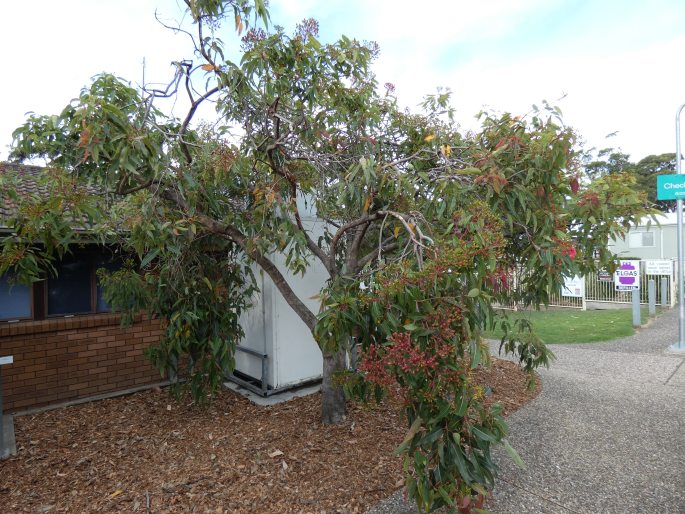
<point>272,327</point>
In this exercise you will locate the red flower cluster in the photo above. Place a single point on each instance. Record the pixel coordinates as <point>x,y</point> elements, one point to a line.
<point>399,356</point>
<point>404,356</point>
<point>373,367</point>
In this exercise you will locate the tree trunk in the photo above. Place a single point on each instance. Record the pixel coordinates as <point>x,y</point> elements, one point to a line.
<point>333,405</point>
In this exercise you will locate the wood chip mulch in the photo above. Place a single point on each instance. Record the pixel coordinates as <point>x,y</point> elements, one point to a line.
<point>146,453</point>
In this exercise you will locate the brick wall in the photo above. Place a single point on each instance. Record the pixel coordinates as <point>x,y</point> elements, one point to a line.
<point>58,360</point>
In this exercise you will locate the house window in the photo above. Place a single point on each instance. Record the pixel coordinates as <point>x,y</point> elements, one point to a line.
<point>70,291</point>
<point>641,240</point>
<point>110,265</point>
<point>15,300</point>
<point>73,289</point>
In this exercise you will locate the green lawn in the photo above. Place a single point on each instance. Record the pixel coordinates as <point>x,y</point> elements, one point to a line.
<point>574,326</point>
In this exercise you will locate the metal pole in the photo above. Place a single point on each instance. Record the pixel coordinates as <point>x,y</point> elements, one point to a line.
<point>680,345</point>
<point>2,423</point>
<point>664,292</point>
<point>636,308</point>
<point>651,297</point>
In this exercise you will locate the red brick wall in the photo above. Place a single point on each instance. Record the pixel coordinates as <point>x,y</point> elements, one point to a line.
<point>58,360</point>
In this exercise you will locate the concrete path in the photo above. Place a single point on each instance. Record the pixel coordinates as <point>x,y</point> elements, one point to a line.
<point>607,433</point>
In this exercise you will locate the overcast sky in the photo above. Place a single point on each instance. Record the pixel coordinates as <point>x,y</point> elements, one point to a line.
<point>617,63</point>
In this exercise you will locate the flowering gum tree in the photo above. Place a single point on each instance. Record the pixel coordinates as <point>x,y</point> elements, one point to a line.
<point>423,224</point>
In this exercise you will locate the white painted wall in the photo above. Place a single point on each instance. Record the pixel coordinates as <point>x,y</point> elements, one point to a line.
<point>272,327</point>
<point>665,240</point>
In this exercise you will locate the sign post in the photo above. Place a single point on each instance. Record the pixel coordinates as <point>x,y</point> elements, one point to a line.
<point>6,440</point>
<point>679,347</point>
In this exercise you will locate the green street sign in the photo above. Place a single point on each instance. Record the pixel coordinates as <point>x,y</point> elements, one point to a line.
<point>670,187</point>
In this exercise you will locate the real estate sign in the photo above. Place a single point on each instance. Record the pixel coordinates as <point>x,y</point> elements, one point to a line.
<point>670,187</point>
<point>573,287</point>
<point>627,276</point>
<point>658,267</point>
<point>604,276</point>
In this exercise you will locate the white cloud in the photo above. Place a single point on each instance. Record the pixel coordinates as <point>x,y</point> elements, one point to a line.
<point>52,49</point>
<point>618,70</point>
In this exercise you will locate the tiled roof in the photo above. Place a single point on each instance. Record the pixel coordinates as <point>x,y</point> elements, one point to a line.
<point>28,184</point>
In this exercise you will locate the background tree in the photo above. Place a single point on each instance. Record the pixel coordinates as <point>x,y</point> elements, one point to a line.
<point>609,161</point>
<point>423,225</point>
<point>647,170</point>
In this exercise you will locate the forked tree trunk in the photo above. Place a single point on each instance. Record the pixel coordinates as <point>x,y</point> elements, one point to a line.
<point>333,405</point>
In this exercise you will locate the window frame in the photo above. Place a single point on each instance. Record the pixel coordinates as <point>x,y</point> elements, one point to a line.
<point>92,285</point>
<point>641,234</point>
<point>32,302</point>
<point>39,290</point>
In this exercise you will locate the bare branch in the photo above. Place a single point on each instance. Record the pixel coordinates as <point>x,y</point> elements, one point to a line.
<point>341,232</point>
<point>189,117</point>
<point>353,250</point>
<point>376,254</point>
<point>410,230</point>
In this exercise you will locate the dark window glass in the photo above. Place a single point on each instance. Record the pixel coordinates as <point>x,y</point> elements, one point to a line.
<point>69,292</point>
<point>110,264</point>
<point>15,300</point>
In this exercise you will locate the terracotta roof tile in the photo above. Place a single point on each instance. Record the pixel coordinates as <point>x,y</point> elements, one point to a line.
<point>28,185</point>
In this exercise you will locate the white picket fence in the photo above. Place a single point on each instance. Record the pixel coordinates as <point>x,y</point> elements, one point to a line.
<point>599,288</point>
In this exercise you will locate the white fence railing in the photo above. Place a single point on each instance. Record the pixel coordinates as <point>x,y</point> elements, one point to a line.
<point>600,288</point>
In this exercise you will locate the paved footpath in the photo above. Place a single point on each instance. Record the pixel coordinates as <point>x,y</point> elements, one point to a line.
<point>606,435</point>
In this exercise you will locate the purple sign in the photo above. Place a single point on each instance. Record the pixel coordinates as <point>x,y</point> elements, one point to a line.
<point>627,276</point>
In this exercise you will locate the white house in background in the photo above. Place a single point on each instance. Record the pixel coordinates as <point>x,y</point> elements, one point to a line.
<point>649,240</point>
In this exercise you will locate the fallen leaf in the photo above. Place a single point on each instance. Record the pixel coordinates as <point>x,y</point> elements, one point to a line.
<point>285,466</point>
<point>276,453</point>
<point>115,493</point>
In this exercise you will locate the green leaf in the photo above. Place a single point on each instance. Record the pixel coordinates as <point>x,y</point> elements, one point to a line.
<point>445,497</point>
<point>415,426</point>
<point>483,434</point>
<point>463,403</point>
<point>474,292</point>
<point>461,461</point>
<point>149,257</point>
<point>513,454</point>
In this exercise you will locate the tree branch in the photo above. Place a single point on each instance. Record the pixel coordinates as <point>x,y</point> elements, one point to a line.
<point>307,317</point>
<point>376,253</point>
<point>353,250</point>
<point>276,168</point>
<point>341,232</point>
<point>233,234</point>
<point>189,117</point>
